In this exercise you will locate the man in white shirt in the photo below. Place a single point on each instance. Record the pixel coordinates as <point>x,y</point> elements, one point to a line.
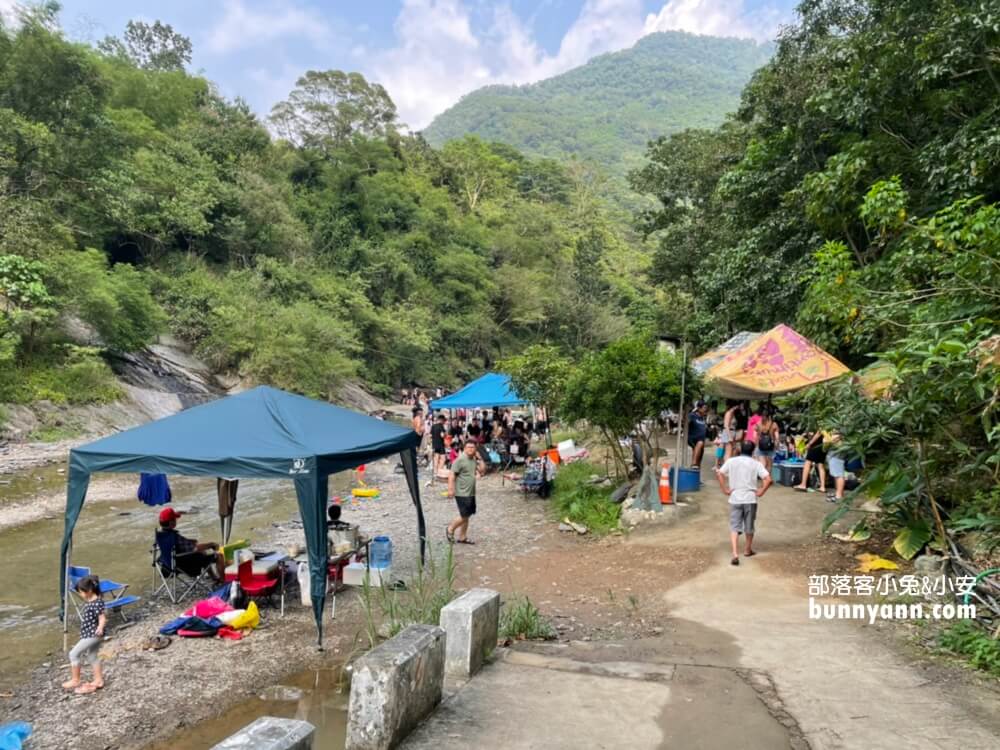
<point>743,471</point>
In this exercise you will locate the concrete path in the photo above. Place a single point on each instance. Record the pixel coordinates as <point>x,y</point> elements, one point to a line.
<point>740,665</point>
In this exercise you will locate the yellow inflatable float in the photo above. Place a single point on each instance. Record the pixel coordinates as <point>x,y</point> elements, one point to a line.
<point>365,492</point>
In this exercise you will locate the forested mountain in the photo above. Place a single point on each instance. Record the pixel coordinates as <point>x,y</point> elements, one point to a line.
<point>607,110</point>
<point>135,200</point>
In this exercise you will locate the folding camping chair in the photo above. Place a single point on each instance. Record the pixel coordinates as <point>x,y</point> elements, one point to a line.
<point>120,598</point>
<point>174,582</point>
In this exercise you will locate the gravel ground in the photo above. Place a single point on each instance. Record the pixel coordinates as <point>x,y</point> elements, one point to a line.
<point>150,694</point>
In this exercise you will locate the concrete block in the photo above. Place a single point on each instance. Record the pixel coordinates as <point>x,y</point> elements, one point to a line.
<point>394,686</point>
<point>471,622</point>
<point>271,733</point>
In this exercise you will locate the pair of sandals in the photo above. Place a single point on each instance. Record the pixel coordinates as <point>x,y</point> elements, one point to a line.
<point>736,560</point>
<point>452,540</point>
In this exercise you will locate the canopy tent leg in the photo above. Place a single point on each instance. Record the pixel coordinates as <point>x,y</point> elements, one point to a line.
<point>226,491</point>
<point>312,493</point>
<point>409,459</point>
<point>65,619</point>
<point>76,491</point>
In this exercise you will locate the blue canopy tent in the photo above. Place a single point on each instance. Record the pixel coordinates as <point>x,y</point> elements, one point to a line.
<point>492,389</point>
<point>262,432</point>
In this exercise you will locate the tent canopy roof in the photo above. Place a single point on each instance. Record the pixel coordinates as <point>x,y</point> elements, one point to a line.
<point>260,432</point>
<point>492,389</point>
<point>772,363</point>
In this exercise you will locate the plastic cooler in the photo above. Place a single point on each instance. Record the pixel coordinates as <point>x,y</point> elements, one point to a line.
<point>690,480</point>
<point>791,473</point>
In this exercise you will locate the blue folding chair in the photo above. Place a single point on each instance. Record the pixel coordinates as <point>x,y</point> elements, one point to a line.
<point>120,598</point>
<point>176,583</point>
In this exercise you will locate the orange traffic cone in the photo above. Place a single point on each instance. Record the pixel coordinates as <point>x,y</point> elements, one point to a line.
<point>665,498</point>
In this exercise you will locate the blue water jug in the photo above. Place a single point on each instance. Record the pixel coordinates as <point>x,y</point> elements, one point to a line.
<point>381,554</point>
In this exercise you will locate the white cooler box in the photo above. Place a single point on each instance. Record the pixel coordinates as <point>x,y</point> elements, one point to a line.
<point>354,575</point>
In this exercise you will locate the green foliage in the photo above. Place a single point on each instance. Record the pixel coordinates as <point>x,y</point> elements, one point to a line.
<point>390,609</point>
<point>70,375</point>
<point>538,374</point>
<point>520,620</point>
<point>345,250</point>
<point>617,388</point>
<point>607,110</point>
<point>966,640</point>
<point>576,498</point>
<point>855,193</point>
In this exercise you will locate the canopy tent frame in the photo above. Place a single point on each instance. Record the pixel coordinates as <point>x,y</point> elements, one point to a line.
<point>269,434</point>
<point>486,391</point>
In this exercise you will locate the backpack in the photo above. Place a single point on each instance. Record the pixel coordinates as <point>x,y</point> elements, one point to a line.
<point>765,441</point>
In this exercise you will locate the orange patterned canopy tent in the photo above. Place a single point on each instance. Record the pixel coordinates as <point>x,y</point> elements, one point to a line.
<point>770,364</point>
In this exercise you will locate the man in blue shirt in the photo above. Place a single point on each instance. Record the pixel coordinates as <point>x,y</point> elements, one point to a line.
<point>697,429</point>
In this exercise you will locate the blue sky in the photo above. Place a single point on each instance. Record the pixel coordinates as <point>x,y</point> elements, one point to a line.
<point>427,53</point>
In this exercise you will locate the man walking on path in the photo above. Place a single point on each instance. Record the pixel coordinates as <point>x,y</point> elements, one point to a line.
<point>743,471</point>
<point>462,487</point>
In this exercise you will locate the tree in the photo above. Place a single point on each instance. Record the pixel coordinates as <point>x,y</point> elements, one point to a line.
<point>475,171</point>
<point>329,107</point>
<point>153,46</point>
<point>616,389</point>
<point>539,374</point>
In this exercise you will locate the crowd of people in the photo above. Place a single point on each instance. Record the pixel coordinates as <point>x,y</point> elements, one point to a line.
<point>446,432</point>
<point>773,436</point>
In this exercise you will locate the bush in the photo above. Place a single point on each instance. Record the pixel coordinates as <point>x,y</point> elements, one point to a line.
<point>77,377</point>
<point>966,640</point>
<point>520,620</point>
<point>575,498</point>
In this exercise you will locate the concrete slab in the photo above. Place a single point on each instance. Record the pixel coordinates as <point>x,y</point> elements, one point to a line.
<point>271,733</point>
<point>471,622</point>
<point>529,700</point>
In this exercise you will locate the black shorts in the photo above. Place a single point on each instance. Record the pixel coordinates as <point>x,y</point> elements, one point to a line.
<point>693,442</point>
<point>816,454</point>
<point>195,562</point>
<point>439,449</point>
<point>466,506</point>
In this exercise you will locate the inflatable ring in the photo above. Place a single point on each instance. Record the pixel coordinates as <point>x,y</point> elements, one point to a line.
<point>366,492</point>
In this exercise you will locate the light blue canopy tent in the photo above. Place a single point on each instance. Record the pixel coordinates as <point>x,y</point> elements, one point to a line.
<point>492,389</point>
<point>263,432</point>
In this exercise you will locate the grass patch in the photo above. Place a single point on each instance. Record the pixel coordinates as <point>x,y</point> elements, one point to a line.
<point>969,642</point>
<point>389,611</point>
<point>54,433</point>
<point>520,620</point>
<point>574,497</point>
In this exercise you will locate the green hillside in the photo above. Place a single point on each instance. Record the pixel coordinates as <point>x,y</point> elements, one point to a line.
<point>609,108</point>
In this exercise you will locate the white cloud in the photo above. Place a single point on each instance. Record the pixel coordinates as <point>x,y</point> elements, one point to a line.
<point>8,12</point>
<point>439,55</point>
<point>715,18</point>
<point>241,26</point>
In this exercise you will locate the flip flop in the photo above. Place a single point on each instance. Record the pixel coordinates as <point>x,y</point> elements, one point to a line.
<point>448,536</point>
<point>735,561</point>
<point>751,553</point>
<point>800,489</point>
<point>87,689</point>
<point>464,541</point>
